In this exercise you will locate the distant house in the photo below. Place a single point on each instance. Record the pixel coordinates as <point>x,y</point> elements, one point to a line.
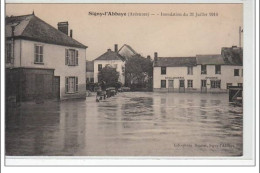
<point>201,73</point>
<point>42,61</point>
<point>113,59</point>
<point>89,72</point>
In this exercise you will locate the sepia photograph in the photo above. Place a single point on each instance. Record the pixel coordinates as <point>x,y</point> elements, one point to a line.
<point>128,80</point>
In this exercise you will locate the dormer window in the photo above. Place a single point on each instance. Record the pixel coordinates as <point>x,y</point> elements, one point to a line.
<point>71,57</point>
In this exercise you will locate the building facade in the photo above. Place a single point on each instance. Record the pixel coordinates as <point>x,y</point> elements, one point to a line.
<point>43,62</point>
<point>112,59</point>
<point>201,73</point>
<point>89,72</point>
<point>116,59</point>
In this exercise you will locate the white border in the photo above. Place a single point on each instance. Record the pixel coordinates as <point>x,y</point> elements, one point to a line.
<point>249,108</point>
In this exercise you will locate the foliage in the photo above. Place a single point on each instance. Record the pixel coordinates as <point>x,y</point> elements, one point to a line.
<point>108,77</point>
<point>139,72</point>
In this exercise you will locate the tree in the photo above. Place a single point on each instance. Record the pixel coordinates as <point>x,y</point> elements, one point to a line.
<point>139,72</point>
<point>108,76</point>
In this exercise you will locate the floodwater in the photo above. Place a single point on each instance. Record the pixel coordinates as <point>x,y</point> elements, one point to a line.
<point>129,124</point>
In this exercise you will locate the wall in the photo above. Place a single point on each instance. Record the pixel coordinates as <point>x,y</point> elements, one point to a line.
<point>226,76</point>
<point>54,58</point>
<point>119,63</point>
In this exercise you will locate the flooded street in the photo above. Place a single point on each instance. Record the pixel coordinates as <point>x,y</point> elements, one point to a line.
<point>129,124</point>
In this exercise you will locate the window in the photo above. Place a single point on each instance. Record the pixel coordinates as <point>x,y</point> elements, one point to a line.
<point>203,83</point>
<point>181,83</point>
<point>9,58</point>
<point>217,69</point>
<point>38,54</point>
<point>240,84</point>
<point>163,70</point>
<point>99,67</point>
<point>71,57</point>
<point>190,83</point>
<point>190,70</point>
<point>228,85</point>
<point>215,83</point>
<point>71,84</point>
<point>163,83</point>
<point>236,72</point>
<point>92,80</point>
<point>203,69</point>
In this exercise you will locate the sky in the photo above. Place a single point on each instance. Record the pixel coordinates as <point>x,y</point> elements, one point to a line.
<point>170,36</point>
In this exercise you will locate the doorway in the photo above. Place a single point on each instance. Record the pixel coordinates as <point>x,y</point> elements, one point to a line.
<point>170,86</point>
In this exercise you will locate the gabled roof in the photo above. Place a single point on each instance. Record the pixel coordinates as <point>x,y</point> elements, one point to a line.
<point>33,28</point>
<point>90,66</point>
<point>127,51</point>
<point>210,59</point>
<point>110,55</point>
<point>175,61</point>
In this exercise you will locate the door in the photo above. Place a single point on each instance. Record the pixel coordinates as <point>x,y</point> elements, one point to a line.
<point>170,86</point>
<point>56,87</point>
<point>203,86</point>
<point>181,86</point>
<point>39,86</point>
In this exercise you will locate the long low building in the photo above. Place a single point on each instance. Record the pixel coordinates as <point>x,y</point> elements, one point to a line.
<point>201,73</point>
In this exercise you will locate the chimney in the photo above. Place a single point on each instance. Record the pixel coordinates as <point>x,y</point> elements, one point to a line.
<point>148,57</point>
<point>116,48</point>
<point>108,50</point>
<point>71,33</point>
<point>155,56</point>
<point>63,27</point>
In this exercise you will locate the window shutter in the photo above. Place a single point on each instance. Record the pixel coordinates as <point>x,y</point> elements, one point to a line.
<point>66,84</point>
<point>76,84</point>
<point>35,53</point>
<point>66,56</point>
<point>77,55</point>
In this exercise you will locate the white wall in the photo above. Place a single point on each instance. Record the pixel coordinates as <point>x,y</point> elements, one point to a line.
<point>226,76</point>
<point>119,63</point>
<point>54,58</point>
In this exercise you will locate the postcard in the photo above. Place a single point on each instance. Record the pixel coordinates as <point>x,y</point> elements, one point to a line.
<point>148,81</point>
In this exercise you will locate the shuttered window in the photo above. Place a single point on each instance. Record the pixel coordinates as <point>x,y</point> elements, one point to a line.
<point>71,84</point>
<point>71,57</point>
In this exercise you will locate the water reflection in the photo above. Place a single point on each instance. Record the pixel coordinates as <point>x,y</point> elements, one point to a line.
<point>129,124</point>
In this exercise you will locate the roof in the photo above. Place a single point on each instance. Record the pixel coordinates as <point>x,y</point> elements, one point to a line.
<point>127,51</point>
<point>90,66</point>
<point>175,61</point>
<point>128,47</point>
<point>210,59</point>
<point>33,28</point>
<point>110,55</point>
<point>232,55</point>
